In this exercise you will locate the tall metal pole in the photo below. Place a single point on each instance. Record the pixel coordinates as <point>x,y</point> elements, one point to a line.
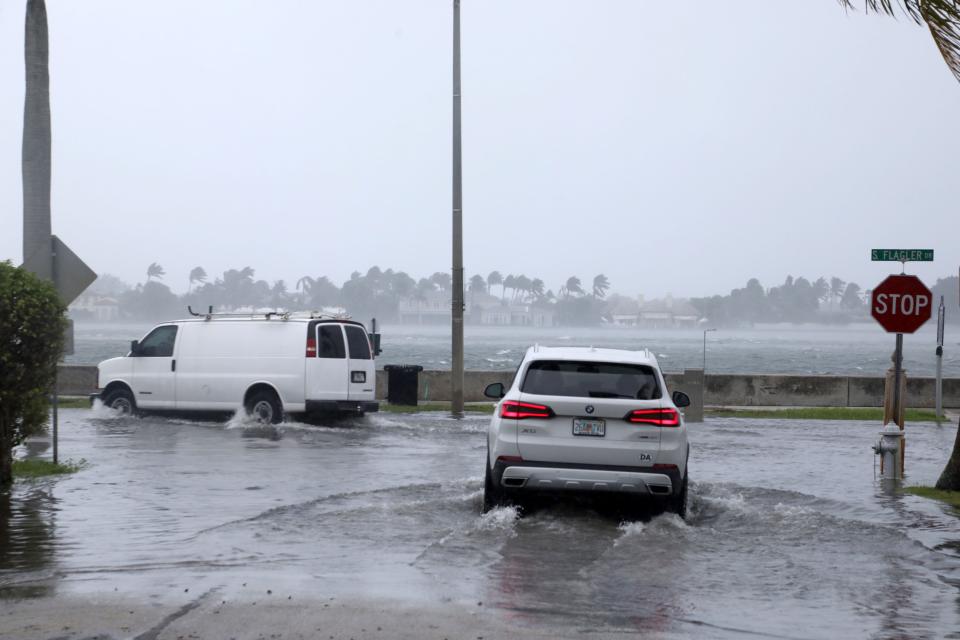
<point>456,371</point>
<point>898,399</point>
<point>941,317</point>
<point>897,374</point>
<point>705,332</point>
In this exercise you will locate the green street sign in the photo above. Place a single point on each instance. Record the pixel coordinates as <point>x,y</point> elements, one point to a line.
<point>901,255</point>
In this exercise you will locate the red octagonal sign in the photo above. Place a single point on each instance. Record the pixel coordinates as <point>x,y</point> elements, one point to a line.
<point>901,304</point>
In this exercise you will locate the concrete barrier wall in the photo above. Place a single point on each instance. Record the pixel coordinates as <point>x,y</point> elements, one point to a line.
<point>719,389</point>
<point>76,380</point>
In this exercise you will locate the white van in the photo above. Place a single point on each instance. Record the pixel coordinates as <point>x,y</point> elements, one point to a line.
<point>269,364</point>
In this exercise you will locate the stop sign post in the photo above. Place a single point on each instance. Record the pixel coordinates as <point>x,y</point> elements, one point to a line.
<point>901,304</point>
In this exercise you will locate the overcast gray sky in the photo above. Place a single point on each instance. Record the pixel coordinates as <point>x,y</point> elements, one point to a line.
<point>675,147</point>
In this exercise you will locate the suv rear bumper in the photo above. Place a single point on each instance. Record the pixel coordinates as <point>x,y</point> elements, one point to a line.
<point>342,406</point>
<point>557,477</point>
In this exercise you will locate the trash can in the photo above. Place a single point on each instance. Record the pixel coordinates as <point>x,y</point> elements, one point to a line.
<point>403,380</point>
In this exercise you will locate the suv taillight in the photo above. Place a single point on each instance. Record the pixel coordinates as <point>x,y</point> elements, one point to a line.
<point>658,417</point>
<point>311,347</point>
<point>521,410</point>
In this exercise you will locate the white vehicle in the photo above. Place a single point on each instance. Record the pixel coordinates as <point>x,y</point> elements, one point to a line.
<point>268,364</point>
<point>579,419</point>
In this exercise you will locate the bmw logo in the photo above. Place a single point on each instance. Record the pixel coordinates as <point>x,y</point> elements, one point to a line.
<point>589,409</point>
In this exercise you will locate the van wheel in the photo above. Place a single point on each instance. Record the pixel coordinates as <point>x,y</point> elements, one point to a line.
<point>264,407</point>
<point>121,400</point>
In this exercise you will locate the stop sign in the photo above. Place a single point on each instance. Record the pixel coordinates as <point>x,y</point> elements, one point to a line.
<point>901,304</point>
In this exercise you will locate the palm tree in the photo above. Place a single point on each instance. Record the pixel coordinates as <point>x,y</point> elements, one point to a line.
<point>443,280</point>
<point>494,279</point>
<point>155,271</point>
<point>536,288</point>
<point>278,294</point>
<point>836,288</point>
<point>572,287</point>
<point>600,286</point>
<point>942,17</point>
<point>822,289</point>
<point>522,284</point>
<point>304,285</point>
<point>197,274</point>
<point>510,282</point>
<point>477,284</point>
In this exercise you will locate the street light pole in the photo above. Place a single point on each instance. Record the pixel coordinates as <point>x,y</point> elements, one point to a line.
<point>705,332</point>
<point>456,368</point>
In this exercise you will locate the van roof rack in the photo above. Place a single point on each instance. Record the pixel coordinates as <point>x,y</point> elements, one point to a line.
<point>268,315</point>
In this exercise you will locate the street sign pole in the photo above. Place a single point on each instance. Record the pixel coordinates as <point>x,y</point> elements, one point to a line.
<point>941,317</point>
<point>897,374</point>
<point>901,304</point>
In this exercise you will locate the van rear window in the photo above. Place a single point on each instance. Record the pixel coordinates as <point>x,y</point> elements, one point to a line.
<point>591,380</point>
<point>330,341</point>
<point>357,341</point>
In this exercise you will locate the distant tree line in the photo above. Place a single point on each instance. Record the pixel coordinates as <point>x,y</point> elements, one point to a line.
<point>799,300</point>
<point>374,294</point>
<point>378,294</point>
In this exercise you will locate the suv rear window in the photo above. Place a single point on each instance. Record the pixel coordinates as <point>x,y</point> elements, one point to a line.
<point>591,380</point>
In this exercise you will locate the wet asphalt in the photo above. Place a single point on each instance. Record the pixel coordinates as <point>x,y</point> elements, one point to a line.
<point>789,535</point>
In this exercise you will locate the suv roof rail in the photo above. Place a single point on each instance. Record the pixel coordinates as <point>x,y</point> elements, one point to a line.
<point>268,315</point>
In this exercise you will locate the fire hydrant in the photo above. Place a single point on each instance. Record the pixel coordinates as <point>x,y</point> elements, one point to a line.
<point>888,448</point>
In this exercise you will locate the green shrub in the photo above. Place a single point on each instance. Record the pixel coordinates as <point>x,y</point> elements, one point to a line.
<point>32,324</point>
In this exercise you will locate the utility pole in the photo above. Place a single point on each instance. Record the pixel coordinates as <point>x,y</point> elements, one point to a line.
<point>456,370</point>
<point>36,142</point>
<point>44,254</point>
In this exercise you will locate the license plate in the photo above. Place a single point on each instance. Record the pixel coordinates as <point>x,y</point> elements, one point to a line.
<point>586,427</point>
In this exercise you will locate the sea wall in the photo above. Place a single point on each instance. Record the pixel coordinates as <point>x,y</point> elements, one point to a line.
<point>762,390</point>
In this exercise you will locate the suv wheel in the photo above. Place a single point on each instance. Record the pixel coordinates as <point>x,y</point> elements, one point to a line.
<point>493,496</point>
<point>678,503</point>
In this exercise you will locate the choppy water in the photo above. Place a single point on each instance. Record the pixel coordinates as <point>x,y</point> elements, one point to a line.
<point>850,350</point>
<point>789,534</point>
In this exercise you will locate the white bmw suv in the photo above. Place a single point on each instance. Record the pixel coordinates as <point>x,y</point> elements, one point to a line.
<point>579,419</point>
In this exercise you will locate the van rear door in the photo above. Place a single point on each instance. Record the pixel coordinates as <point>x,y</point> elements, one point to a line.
<point>362,374</point>
<point>326,363</point>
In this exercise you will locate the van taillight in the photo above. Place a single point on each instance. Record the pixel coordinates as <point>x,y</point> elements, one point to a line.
<point>658,417</point>
<point>311,347</point>
<point>521,410</point>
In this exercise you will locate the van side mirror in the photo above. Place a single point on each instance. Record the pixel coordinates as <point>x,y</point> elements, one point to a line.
<point>681,399</point>
<point>495,391</point>
<point>134,348</point>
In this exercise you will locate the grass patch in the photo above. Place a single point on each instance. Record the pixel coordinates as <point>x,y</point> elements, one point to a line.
<point>26,469</point>
<point>950,497</point>
<point>821,413</point>
<point>473,407</point>
<point>74,403</point>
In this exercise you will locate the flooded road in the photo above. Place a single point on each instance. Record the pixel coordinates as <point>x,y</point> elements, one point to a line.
<point>789,535</point>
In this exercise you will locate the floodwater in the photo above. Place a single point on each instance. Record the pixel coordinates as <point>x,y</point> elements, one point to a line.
<point>857,349</point>
<point>789,535</point>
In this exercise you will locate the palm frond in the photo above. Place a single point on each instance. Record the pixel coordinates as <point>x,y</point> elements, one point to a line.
<point>942,17</point>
